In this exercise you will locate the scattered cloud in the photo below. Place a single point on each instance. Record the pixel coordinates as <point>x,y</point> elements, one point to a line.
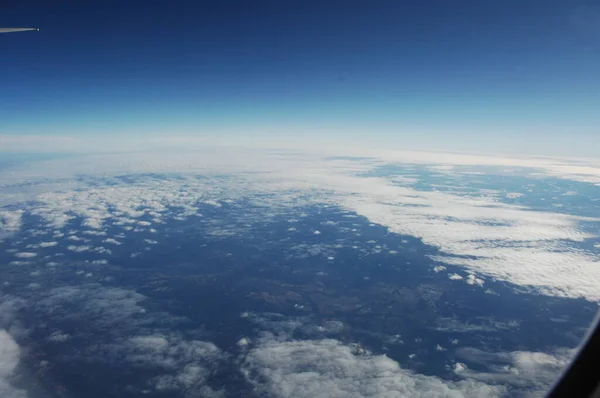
<point>186,364</point>
<point>473,280</point>
<point>132,337</point>
<point>497,240</point>
<point>79,249</point>
<point>532,373</point>
<point>25,255</point>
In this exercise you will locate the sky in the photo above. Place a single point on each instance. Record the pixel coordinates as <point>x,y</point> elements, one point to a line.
<point>518,77</point>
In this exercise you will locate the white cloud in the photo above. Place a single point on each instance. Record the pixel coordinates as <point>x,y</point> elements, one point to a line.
<point>328,368</point>
<point>79,249</point>
<point>101,250</point>
<point>10,221</point>
<point>25,255</point>
<point>132,337</point>
<point>570,193</point>
<point>478,324</point>
<point>95,233</point>
<point>9,359</point>
<point>497,240</point>
<point>455,277</point>
<point>439,268</point>
<point>459,367</point>
<point>514,195</point>
<point>187,364</point>
<point>48,244</point>
<point>473,280</point>
<point>59,337</point>
<point>532,372</point>
<point>111,241</point>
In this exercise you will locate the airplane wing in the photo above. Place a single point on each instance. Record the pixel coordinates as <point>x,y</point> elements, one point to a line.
<point>9,30</point>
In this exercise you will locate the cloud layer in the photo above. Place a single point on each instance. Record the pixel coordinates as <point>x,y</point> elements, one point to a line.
<point>531,248</point>
<point>328,368</point>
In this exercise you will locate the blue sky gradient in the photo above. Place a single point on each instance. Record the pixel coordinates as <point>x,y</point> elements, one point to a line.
<point>464,75</point>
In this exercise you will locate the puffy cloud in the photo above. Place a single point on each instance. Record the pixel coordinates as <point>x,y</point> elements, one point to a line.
<point>79,249</point>
<point>328,368</point>
<point>9,358</point>
<point>10,221</point>
<point>532,373</point>
<point>111,241</point>
<point>25,255</point>
<point>473,280</point>
<point>186,364</point>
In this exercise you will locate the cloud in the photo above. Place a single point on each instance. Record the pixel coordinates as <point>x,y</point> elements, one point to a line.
<point>58,337</point>
<point>79,249</point>
<point>25,255</point>
<point>112,241</point>
<point>186,365</point>
<point>507,242</point>
<point>496,240</point>
<point>531,373</point>
<point>473,280</point>
<point>478,324</point>
<point>328,368</point>
<point>10,221</point>
<point>514,195</point>
<point>9,358</point>
<point>148,341</point>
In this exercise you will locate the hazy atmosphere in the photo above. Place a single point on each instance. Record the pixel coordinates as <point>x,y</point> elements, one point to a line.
<point>509,77</point>
<point>297,199</point>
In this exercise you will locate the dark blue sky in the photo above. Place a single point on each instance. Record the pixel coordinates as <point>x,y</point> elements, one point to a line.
<point>390,71</point>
